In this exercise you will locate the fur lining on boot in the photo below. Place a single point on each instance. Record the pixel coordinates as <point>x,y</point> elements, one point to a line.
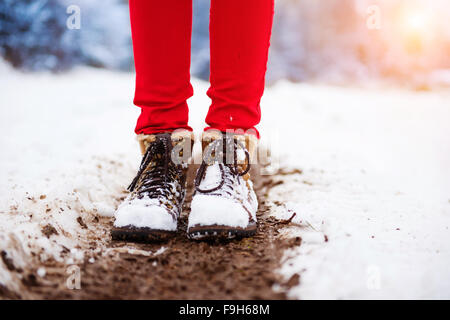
<point>250,141</point>
<point>177,136</point>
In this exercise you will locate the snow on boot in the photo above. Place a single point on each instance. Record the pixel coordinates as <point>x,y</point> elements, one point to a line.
<point>224,204</point>
<point>151,210</point>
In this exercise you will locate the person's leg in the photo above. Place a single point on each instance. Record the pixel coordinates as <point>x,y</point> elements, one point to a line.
<point>161,33</point>
<point>239,35</point>
<point>224,204</point>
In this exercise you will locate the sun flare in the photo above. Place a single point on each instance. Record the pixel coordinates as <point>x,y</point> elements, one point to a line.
<point>416,21</point>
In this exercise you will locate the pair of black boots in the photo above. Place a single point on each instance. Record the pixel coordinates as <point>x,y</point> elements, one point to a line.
<point>224,204</point>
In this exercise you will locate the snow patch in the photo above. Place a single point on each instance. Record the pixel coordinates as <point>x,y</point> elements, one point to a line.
<point>372,201</point>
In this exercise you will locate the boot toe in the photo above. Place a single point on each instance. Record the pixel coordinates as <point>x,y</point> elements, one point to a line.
<point>211,210</point>
<point>140,215</point>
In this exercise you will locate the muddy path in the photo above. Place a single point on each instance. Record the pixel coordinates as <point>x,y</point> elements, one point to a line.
<point>178,269</point>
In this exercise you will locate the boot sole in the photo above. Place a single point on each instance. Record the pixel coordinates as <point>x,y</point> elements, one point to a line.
<point>220,232</point>
<point>143,235</point>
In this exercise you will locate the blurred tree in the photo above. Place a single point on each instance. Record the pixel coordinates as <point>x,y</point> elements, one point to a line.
<point>32,34</point>
<point>200,39</point>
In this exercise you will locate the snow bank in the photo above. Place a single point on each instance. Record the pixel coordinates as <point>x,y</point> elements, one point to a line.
<point>373,201</point>
<point>67,155</point>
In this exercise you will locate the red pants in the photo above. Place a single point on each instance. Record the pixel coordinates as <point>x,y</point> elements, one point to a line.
<point>239,40</point>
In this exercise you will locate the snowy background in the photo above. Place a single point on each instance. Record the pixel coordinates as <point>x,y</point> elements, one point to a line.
<point>369,110</point>
<point>333,41</point>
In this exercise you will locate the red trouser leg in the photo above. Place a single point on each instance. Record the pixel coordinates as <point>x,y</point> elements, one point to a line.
<point>161,32</point>
<point>240,37</point>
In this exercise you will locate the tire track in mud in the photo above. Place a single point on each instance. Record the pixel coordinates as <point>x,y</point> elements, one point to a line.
<point>178,269</point>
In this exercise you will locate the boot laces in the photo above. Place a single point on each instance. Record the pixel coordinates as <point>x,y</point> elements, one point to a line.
<point>229,171</point>
<point>156,172</point>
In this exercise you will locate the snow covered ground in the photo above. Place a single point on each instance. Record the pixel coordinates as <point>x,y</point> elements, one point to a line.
<point>375,182</point>
<point>372,202</point>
